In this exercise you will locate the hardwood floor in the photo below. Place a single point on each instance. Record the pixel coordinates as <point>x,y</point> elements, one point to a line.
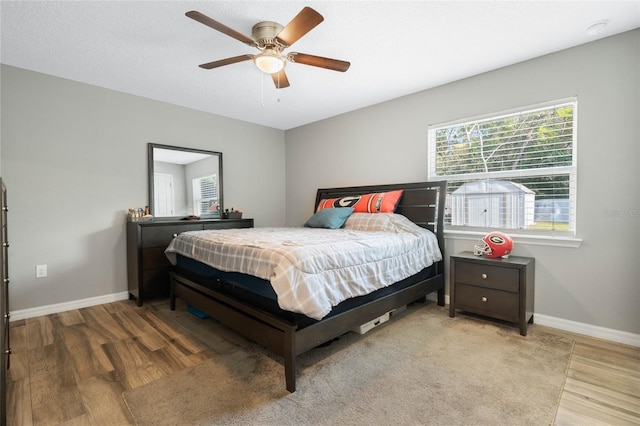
<point>602,385</point>
<point>71,368</point>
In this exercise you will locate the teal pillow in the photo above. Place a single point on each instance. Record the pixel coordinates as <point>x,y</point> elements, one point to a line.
<point>329,218</point>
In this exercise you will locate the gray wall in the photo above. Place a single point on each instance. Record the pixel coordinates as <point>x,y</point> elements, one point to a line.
<point>597,283</point>
<point>74,158</point>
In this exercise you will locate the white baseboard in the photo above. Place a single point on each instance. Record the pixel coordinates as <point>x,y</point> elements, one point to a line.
<point>548,321</point>
<point>588,330</point>
<point>612,335</point>
<point>67,306</point>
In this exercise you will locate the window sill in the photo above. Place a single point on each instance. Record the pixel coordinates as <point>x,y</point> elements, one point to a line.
<point>540,240</point>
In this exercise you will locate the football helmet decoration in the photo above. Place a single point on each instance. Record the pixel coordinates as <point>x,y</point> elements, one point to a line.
<point>494,244</point>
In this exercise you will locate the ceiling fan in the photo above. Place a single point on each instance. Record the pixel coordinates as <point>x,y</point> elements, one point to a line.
<point>272,39</point>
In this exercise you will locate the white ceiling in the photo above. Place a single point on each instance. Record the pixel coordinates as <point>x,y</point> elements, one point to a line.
<point>151,49</point>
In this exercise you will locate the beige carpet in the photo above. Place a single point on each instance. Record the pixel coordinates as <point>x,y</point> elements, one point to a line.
<point>422,367</point>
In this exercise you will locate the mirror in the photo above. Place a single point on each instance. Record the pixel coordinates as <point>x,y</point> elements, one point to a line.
<point>184,182</point>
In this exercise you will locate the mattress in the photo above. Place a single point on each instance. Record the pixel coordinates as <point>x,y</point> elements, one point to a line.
<point>313,270</point>
<point>258,292</point>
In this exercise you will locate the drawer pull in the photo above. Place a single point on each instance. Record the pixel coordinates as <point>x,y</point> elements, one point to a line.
<point>484,276</point>
<point>484,299</point>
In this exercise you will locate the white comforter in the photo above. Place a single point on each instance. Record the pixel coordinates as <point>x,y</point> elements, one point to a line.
<point>310,269</point>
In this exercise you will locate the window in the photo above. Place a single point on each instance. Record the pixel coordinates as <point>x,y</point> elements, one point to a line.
<point>511,171</point>
<point>205,195</point>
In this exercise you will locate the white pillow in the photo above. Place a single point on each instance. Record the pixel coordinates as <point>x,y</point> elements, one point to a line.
<point>382,222</point>
<point>373,222</point>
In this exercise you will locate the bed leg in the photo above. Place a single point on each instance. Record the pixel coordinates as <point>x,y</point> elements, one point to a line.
<point>290,373</point>
<point>172,296</point>
<point>441,297</point>
<point>290,360</point>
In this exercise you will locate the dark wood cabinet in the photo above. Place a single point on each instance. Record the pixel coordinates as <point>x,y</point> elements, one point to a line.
<point>5,348</point>
<point>497,288</point>
<point>147,265</point>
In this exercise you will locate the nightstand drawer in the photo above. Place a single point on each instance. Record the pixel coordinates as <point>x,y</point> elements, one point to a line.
<point>496,303</point>
<point>483,275</point>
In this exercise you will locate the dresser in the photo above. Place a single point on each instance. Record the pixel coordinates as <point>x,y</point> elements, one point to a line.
<point>5,349</point>
<point>497,288</point>
<point>147,266</point>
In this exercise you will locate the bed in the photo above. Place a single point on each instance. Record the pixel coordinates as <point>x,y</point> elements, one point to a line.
<point>246,303</point>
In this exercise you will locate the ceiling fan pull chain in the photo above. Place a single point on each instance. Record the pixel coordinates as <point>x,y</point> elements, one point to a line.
<point>278,94</point>
<point>262,89</point>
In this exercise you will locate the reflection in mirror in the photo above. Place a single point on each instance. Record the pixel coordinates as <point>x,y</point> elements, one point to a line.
<point>184,182</point>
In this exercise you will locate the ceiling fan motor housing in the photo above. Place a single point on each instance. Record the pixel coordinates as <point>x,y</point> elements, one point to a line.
<point>265,33</point>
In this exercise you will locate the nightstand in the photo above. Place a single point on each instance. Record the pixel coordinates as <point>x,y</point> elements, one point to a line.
<point>497,288</point>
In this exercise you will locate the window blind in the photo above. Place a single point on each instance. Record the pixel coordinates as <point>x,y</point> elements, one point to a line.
<point>514,170</point>
<point>205,195</point>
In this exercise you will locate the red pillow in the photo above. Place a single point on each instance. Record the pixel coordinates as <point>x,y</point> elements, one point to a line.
<point>380,202</point>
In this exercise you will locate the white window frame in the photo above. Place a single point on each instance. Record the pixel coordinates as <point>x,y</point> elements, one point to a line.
<point>542,236</point>
<point>197,194</point>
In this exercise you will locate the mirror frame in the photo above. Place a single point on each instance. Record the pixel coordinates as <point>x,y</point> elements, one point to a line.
<point>151,171</point>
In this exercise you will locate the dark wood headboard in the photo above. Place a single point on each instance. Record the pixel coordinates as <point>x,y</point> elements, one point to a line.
<point>421,202</point>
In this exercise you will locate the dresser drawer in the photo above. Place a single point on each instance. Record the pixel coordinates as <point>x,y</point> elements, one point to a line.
<point>155,283</point>
<point>154,257</point>
<point>161,236</point>
<point>484,301</point>
<point>488,276</point>
<point>229,224</point>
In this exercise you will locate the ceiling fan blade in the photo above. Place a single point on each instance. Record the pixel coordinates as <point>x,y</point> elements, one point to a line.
<point>301,24</point>
<point>280,79</point>
<point>228,61</point>
<point>318,61</point>
<point>203,19</point>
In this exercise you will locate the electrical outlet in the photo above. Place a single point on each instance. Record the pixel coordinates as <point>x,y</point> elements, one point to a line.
<point>41,271</point>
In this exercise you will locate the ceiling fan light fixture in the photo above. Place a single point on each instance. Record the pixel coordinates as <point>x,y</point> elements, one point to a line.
<point>269,61</point>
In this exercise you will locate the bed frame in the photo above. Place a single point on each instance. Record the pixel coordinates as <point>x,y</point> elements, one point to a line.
<point>423,203</point>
